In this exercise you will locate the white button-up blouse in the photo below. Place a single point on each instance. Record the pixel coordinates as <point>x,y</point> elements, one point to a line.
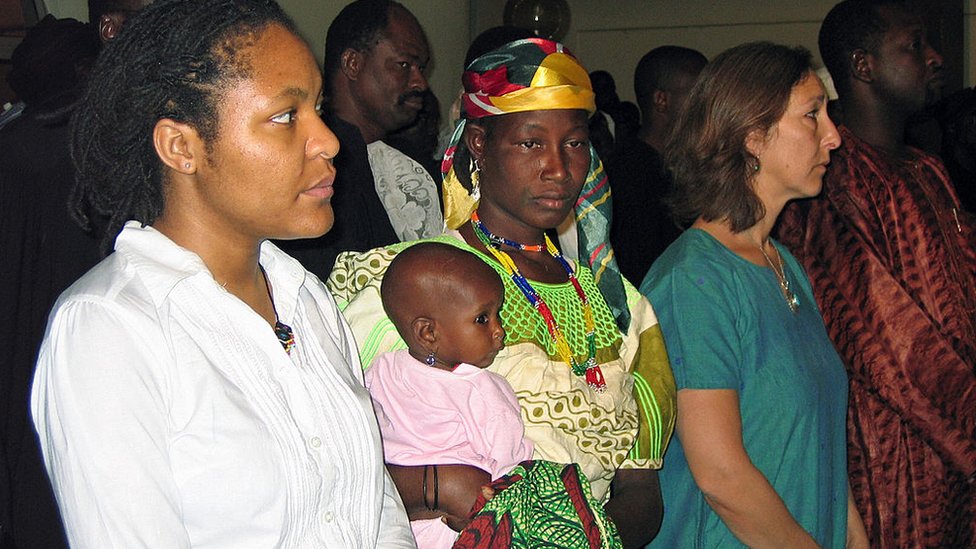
<point>170,416</point>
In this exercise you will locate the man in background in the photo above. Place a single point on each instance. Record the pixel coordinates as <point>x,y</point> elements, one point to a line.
<point>892,260</point>
<point>642,227</point>
<point>375,57</point>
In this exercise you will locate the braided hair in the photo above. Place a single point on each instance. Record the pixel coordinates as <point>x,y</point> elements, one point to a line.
<point>172,60</point>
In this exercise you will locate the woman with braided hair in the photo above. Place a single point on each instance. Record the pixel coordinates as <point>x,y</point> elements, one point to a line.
<point>198,387</point>
<point>583,350</point>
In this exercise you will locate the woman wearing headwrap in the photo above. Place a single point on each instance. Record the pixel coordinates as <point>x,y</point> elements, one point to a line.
<point>583,349</point>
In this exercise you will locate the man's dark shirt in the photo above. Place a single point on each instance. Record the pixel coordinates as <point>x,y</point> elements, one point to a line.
<point>642,227</point>
<point>44,251</point>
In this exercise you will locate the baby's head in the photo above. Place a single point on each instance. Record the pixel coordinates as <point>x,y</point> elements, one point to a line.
<point>444,302</point>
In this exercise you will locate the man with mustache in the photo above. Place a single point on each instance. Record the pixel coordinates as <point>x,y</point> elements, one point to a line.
<point>892,258</point>
<point>375,57</point>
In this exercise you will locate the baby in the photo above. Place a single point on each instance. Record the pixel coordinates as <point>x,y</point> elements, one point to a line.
<point>436,404</point>
<point>435,401</point>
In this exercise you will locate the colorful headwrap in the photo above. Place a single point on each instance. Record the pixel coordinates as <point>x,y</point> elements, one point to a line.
<point>533,75</point>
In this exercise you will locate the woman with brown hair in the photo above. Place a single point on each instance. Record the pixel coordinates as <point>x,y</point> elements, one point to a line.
<point>760,456</point>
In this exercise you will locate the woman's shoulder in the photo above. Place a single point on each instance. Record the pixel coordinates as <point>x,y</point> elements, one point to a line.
<point>109,320</point>
<point>698,273</point>
<point>695,251</point>
<point>115,286</point>
<point>353,272</point>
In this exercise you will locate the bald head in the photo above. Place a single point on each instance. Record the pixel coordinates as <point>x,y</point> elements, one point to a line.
<point>662,80</point>
<point>427,278</point>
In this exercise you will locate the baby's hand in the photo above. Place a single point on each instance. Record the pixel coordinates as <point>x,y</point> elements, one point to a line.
<point>487,492</point>
<point>455,523</point>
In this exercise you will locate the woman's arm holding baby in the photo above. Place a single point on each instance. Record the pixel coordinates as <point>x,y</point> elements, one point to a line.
<point>451,491</point>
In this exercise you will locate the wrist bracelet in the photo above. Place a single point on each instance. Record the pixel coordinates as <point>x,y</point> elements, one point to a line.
<point>427,505</point>
<point>435,489</point>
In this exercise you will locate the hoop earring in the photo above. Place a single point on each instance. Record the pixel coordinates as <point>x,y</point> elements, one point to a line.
<point>475,170</point>
<point>430,360</point>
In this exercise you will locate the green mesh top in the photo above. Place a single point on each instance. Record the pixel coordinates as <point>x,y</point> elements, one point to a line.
<point>627,426</point>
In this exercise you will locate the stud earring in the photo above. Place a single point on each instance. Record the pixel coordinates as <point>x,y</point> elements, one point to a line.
<point>187,165</point>
<point>430,359</point>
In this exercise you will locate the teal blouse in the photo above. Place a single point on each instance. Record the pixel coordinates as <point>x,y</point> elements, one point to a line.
<point>727,326</point>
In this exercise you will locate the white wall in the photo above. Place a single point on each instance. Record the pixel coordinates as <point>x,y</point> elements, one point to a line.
<point>606,34</point>
<point>613,34</point>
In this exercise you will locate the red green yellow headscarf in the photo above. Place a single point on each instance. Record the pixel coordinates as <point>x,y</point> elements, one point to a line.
<point>532,75</point>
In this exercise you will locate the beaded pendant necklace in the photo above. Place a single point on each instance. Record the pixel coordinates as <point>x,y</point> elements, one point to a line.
<point>590,369</point>
<point>286,336</point>
<point>284,333</point>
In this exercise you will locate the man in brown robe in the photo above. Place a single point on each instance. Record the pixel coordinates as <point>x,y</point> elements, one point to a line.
<point>892,259</point>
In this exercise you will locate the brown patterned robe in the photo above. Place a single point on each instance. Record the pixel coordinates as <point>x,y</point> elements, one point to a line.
<point>892,260</point>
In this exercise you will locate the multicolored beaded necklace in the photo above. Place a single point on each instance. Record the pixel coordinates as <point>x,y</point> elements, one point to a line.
<point>590,369</point>
<point>286,336</point>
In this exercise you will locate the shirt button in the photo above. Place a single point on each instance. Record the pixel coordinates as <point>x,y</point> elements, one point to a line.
<point>315,442</point>
<point>328,516</point>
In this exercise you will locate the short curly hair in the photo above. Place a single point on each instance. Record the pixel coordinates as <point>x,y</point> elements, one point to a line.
<point>359,26</point>
<point>658,69</point>
<point>171,60</point>
<point>744,89</point>
<point>848,26</point>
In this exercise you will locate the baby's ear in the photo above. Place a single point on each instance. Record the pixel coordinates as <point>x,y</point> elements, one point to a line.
<point>424,331</point>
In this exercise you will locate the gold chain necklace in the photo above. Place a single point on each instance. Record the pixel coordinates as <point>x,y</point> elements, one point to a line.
<point>784,284</point>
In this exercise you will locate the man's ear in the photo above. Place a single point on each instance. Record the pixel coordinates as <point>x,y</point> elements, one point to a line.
<point>350,63</point>
<point>660,100</point>
<point>109,25</point>
<point>475,137</point>
<point>860,66</point>
<point>178,145</point>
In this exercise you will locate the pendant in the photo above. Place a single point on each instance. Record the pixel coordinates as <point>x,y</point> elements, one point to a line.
<point>285,336</point>
<point>791,300</point>
<point>595,379</point>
